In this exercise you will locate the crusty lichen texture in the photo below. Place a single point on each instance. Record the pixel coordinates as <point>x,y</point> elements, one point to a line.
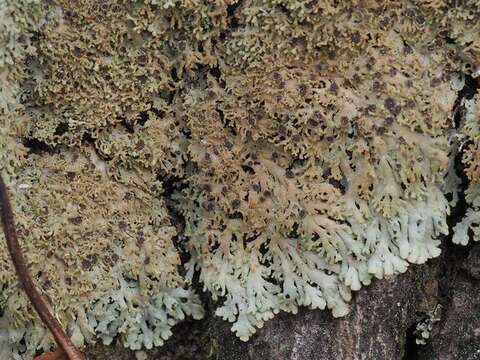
<point>280,153</point>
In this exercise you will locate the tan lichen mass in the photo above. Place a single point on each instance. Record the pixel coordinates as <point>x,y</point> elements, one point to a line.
<point>304,143</point>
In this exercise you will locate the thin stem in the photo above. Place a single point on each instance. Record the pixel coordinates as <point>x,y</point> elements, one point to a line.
<point>26,279</point>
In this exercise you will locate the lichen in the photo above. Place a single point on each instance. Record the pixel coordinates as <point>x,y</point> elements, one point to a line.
<point>315,177</point>
<point>468,228</point>
<point>100,243</point>
<point>283,153</point>
<point>423,330</point>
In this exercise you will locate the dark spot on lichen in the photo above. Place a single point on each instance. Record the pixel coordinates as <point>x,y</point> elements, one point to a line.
<point>76,220</point>
<point>277,77</point>
<point>209,205</point>
<point>334,87</point>
<point>140,145</point>
<point>312,123</point>
<point>371,108</point>
<point>377,86</point>
<point>389,121</point>
<point>87,264</point>
<point>407,49</point>
<point>140,238</point>
<point>302,89</point>
<point>235,204</point>
<point>390,104</point>
<point>356,38</point>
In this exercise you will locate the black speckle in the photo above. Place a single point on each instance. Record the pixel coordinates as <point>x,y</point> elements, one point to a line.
<point>140,239</point>
<point>302,89</point>
<point>296,138</point>
<point>376,86</point>
<point>371,108</point>
<point>140,145</point>
<point>209,205</point>
<point>312,123</point>
<point>407,49</point>
<point>76,220</point>
<point>318,116</point>
<point>356,38</point>
<point>235,204</point>
<point>410,104</point>
<point>390,104</point>
<point>207,188</point>
<point>334,87</point>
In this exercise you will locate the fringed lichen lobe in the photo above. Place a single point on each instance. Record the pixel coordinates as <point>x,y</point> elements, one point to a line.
<point>307,142</point>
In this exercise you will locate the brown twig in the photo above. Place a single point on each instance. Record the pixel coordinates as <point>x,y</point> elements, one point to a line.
<point>26,279</point>
<point>56,355</point>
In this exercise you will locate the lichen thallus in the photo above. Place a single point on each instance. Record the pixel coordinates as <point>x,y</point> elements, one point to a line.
<point>36,298</point>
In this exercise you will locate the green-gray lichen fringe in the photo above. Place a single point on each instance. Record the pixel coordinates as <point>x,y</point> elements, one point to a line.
<point>280,153</point>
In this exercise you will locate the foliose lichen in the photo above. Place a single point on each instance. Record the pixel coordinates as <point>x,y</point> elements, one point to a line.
<point>469,227</point>
<point>305,144</point>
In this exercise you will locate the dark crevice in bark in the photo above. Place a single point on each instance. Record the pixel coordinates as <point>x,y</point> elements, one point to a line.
<point>458,210</point>
<point>411,346</point>
<point>88,139</point>
<point>453,255</point>
<point>171,185</point>
<point>128,125</point>
<point>38,147</point>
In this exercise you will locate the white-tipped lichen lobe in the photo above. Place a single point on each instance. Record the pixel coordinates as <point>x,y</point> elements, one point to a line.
<point>326,172</point>
<point>469,136</point>
<point>306,142</point>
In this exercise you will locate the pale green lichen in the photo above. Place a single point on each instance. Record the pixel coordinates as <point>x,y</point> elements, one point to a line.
<point>304,143</point>
<point>469,227</point>
<point>339,185</point>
